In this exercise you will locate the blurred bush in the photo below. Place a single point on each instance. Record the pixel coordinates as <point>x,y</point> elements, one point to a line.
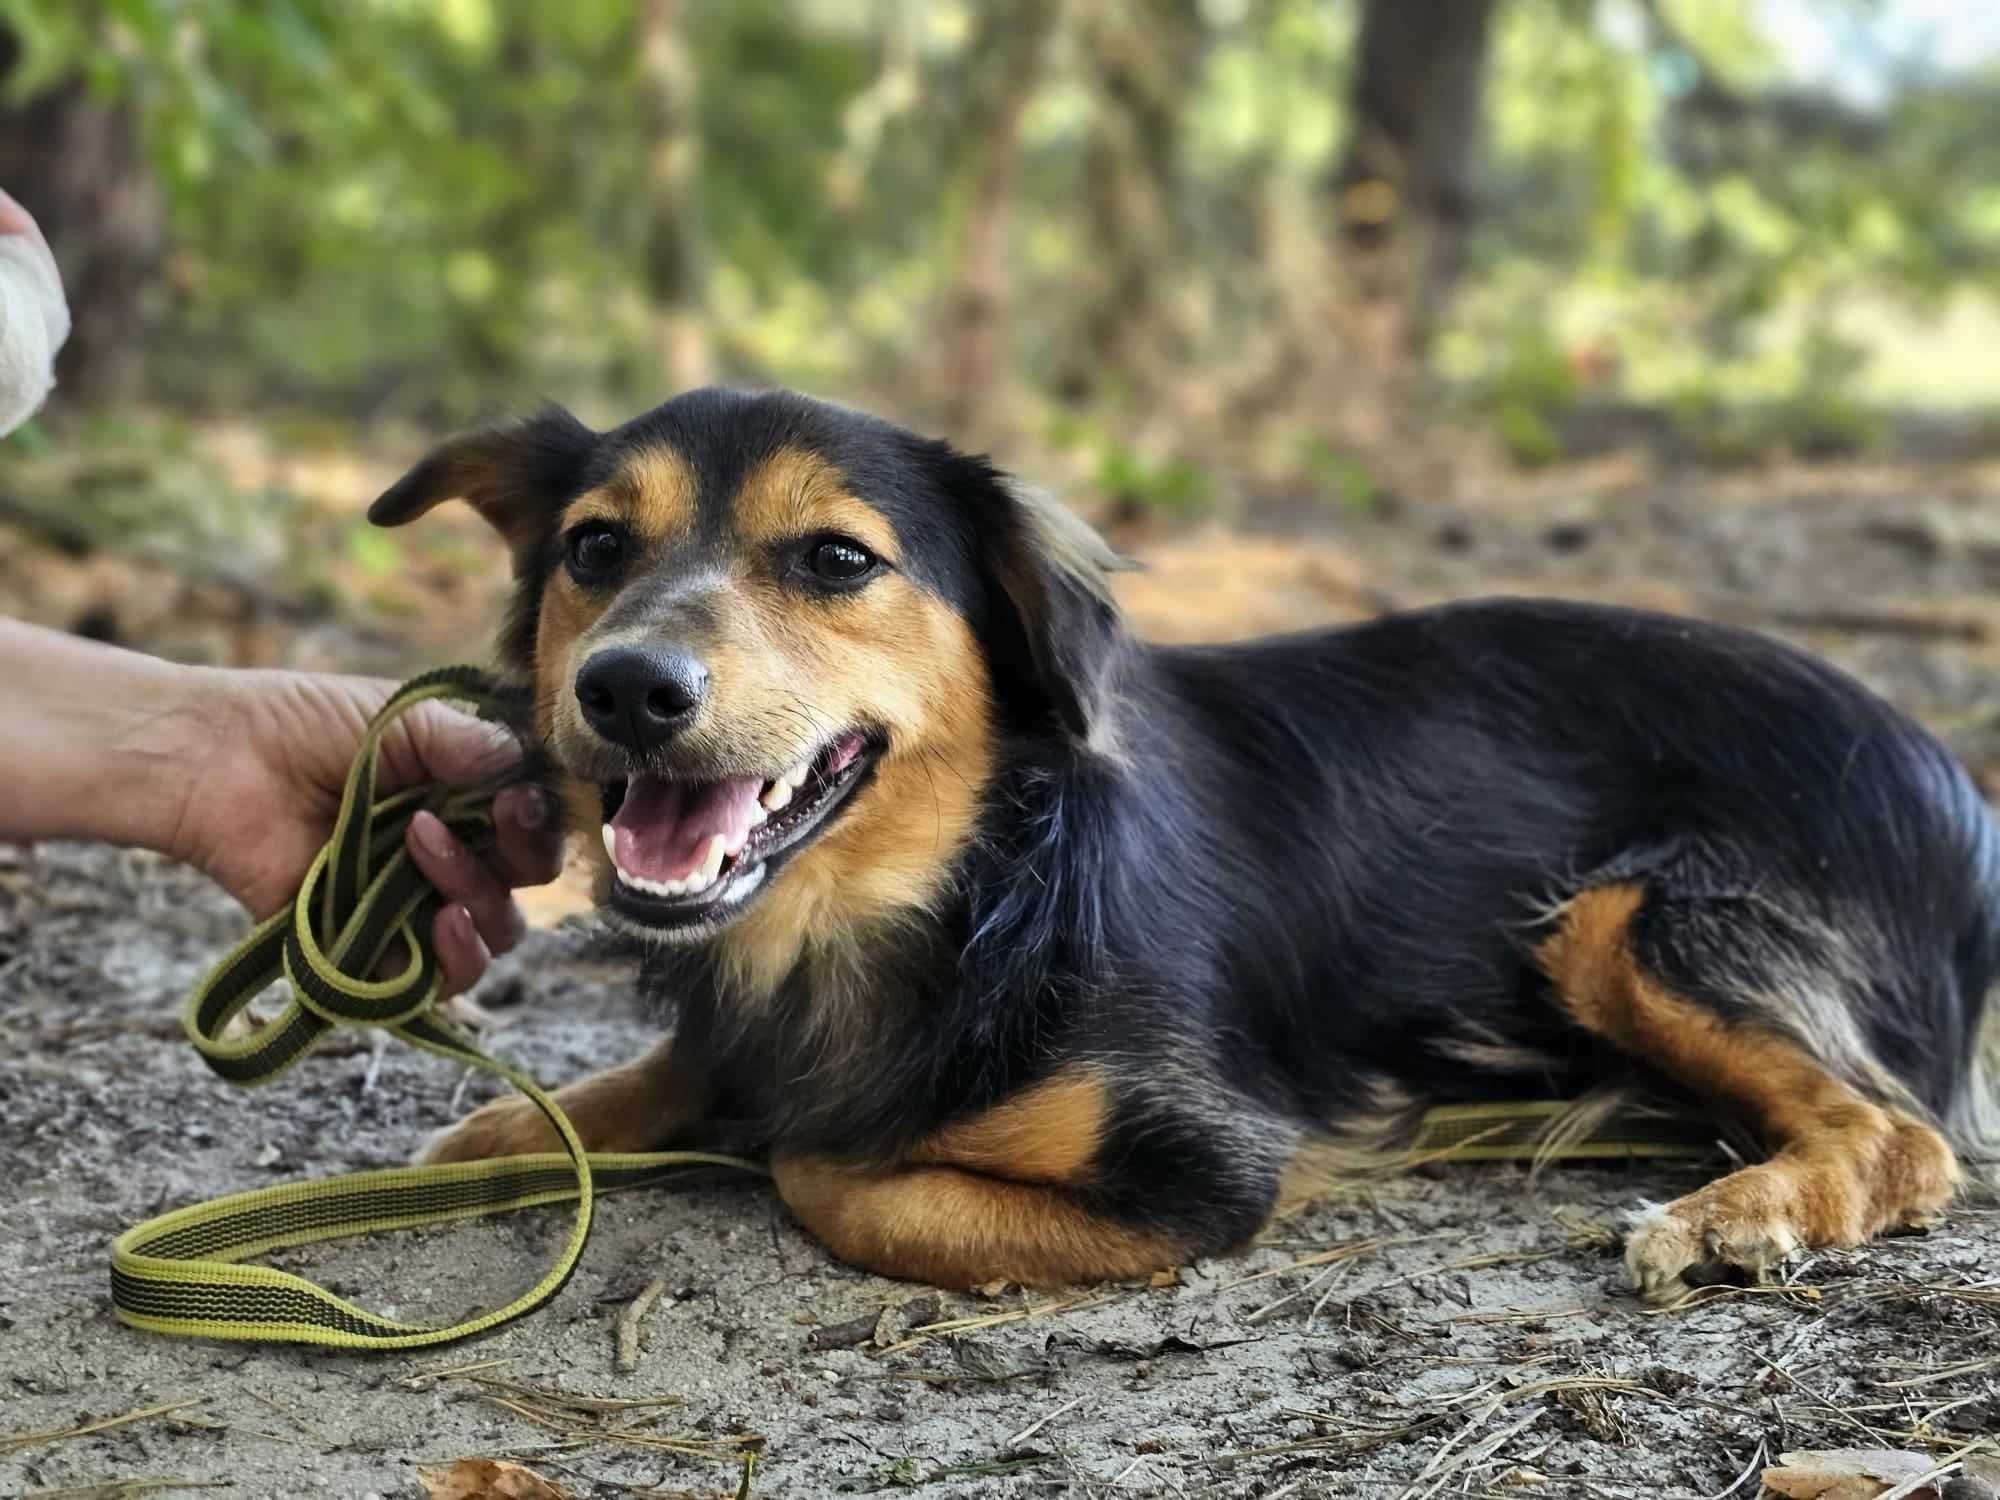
<point>1165,218</point>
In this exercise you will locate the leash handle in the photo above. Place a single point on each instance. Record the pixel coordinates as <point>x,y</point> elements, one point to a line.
<point>361,901</point>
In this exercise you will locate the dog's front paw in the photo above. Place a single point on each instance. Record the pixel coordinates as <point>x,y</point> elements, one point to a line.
<point>509,1126</point>
<point>1701,1240</point>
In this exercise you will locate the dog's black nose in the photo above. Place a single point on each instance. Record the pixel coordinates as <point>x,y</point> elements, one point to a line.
<point>640,696</point>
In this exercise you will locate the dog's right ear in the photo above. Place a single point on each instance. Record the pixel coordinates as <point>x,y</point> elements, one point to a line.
<point>513,476</point>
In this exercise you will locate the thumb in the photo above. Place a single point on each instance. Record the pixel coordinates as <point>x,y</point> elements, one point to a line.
<point>434,742</point>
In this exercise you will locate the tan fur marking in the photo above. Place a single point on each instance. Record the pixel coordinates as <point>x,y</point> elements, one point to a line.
<point>960,1229</point>
<point>1048,1133</point>
<point>795,493</point>
<point>1845,1168</point>
<point>896,657</point>
<point>657,492</point>
<point>636,1106</point>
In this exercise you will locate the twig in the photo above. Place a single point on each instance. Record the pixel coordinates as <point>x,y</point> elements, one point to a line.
<point>1949,1464</point>
<point>1757,1457</point>
<point>1034,1427</point>
<point>629,1322</point>
<point>29,1439</point>
<point>1807,1391</point>
<point>450,1371</point>
<point>293,1417</point>
<point>982,1321</point>
<point>1337,1253</point>
<point>118,1489</point>
<point>1932,1377</point>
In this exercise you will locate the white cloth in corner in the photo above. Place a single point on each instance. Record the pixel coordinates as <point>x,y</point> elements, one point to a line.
<point>34,321</point>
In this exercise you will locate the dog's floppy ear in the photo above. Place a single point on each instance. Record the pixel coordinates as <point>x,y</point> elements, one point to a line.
<point>1055,572</point>
<point>511,475</point>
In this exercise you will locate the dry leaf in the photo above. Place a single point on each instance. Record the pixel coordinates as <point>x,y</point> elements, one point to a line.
<point>488,1479</point>
<point>1847,1474</point>
<point>1170,1277</point>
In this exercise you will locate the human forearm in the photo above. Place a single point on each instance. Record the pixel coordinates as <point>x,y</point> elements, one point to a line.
<point>99,743</point>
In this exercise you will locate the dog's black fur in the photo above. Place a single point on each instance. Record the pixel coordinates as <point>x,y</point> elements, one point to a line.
<point>1269,887</point>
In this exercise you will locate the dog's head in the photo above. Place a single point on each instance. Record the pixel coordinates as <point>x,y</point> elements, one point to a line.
<point>773,645</point>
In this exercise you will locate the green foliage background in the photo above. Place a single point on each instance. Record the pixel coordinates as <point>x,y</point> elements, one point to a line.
<point>441,206</point>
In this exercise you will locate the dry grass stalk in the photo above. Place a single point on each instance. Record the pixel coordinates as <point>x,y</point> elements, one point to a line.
<point>22,1440</point>
<point>979,1321</point>
<point>584,1421</point>
<point>415,1382</point>
<point>119,1489</point>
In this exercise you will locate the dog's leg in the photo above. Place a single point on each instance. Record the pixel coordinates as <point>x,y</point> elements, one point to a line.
<point>959,1229</point>
<point>1010,1194</point>
<point>637,1106</point>
<point>1845,1168</point>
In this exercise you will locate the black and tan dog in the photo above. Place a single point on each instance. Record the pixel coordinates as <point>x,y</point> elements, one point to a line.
<point>1037,952</point>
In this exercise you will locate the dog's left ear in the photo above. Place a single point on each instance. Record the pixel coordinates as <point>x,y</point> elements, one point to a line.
<point>1055,572</point>
<point>513,476</point>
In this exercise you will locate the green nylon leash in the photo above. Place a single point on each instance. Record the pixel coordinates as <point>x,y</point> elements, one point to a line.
<point>363,901</point>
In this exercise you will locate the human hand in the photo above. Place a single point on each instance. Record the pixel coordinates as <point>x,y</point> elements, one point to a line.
<point>269,786</point>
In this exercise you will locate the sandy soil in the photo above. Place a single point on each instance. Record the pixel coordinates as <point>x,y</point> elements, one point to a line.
<point>1462,1330</point>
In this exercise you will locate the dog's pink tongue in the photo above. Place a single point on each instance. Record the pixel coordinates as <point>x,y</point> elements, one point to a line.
<point>662,828</point>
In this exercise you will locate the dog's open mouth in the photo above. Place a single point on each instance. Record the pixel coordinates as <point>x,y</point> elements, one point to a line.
<point>688,853</point>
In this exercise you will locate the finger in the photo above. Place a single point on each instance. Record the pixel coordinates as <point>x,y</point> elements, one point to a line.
<point>433,742</point>
<point>528,836</point>
<point>466,881</point>
<point>461,955</point>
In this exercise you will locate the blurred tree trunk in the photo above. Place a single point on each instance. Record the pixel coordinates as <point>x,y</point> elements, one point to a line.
<point>76,164</point>
<point>1144,57</point>
<point>673,270</point>
<point>1407,189</point>
<point>1005,64</point>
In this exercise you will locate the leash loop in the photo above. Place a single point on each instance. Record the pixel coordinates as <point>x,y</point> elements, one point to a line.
<point>363,905</point>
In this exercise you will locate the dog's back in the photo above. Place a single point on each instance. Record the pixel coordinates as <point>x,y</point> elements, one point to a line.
<point>1410,800</point>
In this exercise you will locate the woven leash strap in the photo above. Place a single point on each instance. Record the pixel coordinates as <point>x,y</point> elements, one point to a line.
<point>364,911</point>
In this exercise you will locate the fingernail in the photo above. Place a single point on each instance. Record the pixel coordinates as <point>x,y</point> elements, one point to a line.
<point>528,807</point>
<point>430,831</point>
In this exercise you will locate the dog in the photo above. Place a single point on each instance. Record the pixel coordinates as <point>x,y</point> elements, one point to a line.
<point>1036,952</point>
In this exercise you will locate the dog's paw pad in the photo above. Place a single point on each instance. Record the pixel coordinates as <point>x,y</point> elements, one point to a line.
<point>1672,1249</point>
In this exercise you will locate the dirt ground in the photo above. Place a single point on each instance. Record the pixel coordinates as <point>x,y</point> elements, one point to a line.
<point>1462,1330</point>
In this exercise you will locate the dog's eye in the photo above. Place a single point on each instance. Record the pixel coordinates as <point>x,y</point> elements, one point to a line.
<point>837,560</point>
<point>596,550</point>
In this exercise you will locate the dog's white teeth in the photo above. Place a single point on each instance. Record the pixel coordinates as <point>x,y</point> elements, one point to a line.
<point>610,844</point>
<point>757,817</point>
<point>780,791</point>
<point>711,864</point>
